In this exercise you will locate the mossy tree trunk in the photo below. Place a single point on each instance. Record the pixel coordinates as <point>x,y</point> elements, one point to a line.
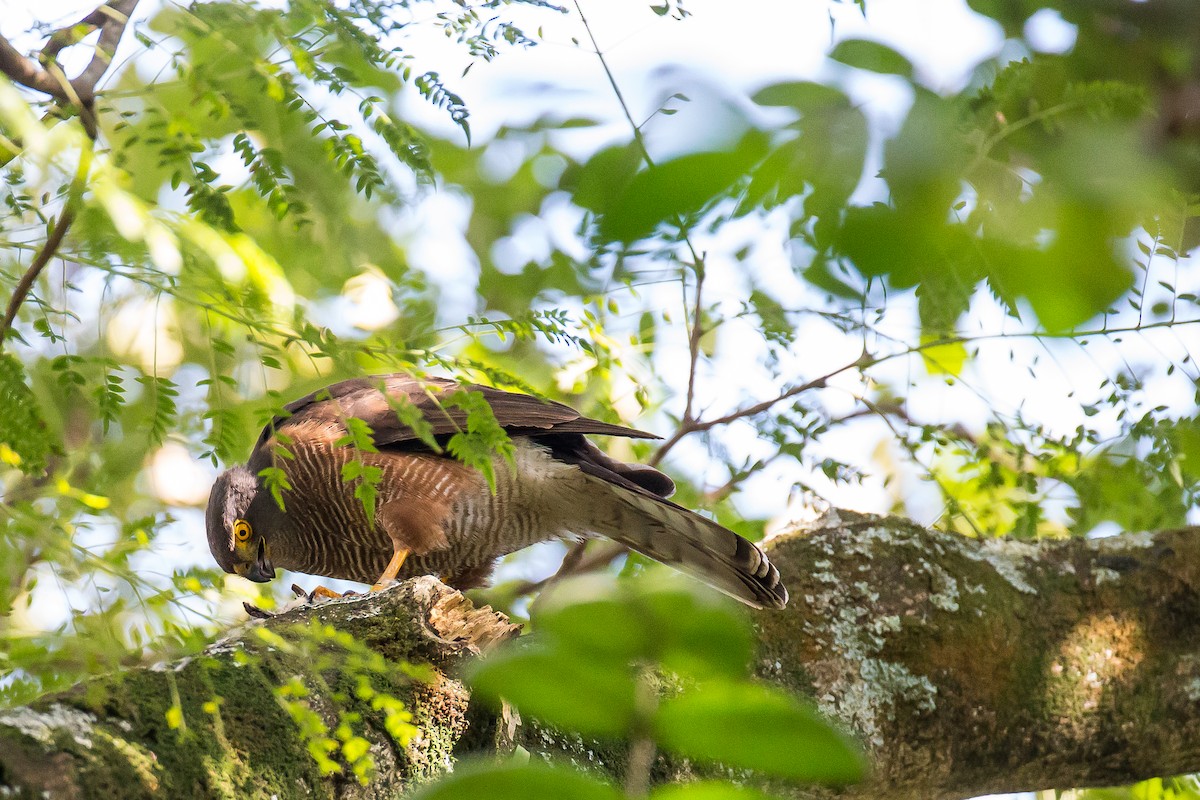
<point>964,667</point>
<point>217,725</point>
<point>975,667</point>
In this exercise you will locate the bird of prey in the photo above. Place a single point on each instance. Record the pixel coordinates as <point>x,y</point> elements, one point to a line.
<point>436,515</point>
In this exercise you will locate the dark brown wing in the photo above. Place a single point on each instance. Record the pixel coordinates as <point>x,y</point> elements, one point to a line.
<point>518,414</point>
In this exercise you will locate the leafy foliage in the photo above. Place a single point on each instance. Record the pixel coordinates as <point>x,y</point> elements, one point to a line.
<point>343,748</point>
<point>628,643</point>
<point>483,440</point>
<point>22,438</point>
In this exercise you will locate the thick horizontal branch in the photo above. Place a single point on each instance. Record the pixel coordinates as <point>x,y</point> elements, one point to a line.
<point>213,726</point>
<point>974,667</point>
<point>965,667</point>
<point>969,667</point>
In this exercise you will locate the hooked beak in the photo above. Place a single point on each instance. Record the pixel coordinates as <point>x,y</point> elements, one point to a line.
<point>262,570</point>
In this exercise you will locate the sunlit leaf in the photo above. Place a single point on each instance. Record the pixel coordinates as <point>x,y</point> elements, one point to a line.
<point>872,56</point>
<point>759,728</point>
<point>943,358</point>
<point>707,790</point>
<point>531,781</point>
<point>545,684</point>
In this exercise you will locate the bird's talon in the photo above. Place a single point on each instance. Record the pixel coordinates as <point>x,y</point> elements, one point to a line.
<point>256,612</point>
<point>379,587</point>
<point>319,593</point>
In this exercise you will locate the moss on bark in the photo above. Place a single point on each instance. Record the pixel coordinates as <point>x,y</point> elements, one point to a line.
<point>214,726</point>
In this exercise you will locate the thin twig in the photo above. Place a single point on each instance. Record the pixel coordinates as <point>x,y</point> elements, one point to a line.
<point>576,563</point>
<point>698,266</point>
<point>694,343</point>
<point>865,362</point>
<point>687,427</point>
<point>612,81</point>
<point>49,247</point>
<point>43,257</point>
<point>719,493</point>
<point>955,507</point>
<point>111,19</point>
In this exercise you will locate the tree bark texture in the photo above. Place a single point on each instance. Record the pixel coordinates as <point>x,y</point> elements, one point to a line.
<point>964,667</point>
<point>973,667</point>
<point>116,736</point>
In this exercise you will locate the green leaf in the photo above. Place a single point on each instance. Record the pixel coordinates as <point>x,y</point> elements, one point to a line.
<point>409,415</point>
<point>925,161</point>
<point>670,190</point>
<point>746,725</point>
<point>562,688</point>
<point>598,184</point>
<point>1185,435</point>
<point>358,435</point>
<point>484,437</point>
<point>707,790</point>
<point>942,357</point>
<point>801,95</point>
<point>276,482</point>
<point>531,781</point>
<point>903,246</point>
<point>700,633</point>
<point>687,628</point>
<point>607,631</point>
<point>872,56</point>
<point>24,441</point>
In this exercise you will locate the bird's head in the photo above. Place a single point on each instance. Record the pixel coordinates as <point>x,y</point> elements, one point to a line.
<point>232,538</point>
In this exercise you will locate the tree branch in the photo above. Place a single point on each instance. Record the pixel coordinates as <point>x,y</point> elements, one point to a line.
<point>116,14</point>
<point>866,361</point>
<point>970,667</point>
<point>22,70</point>
<point>217,725</point>
<point>71,35</point>
<point>110,19</point>
<point>48,248</point>
<point>964,666</point>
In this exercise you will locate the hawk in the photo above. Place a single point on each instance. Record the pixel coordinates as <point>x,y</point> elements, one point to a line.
<point>436,515</point>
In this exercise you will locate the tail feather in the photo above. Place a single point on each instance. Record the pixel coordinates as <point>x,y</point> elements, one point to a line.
<point>691,543</point>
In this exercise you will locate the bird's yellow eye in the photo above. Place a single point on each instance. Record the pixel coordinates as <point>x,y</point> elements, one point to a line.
<point>241,530</point>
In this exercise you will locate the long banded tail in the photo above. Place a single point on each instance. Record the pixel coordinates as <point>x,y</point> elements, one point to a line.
<point>685,540</point>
